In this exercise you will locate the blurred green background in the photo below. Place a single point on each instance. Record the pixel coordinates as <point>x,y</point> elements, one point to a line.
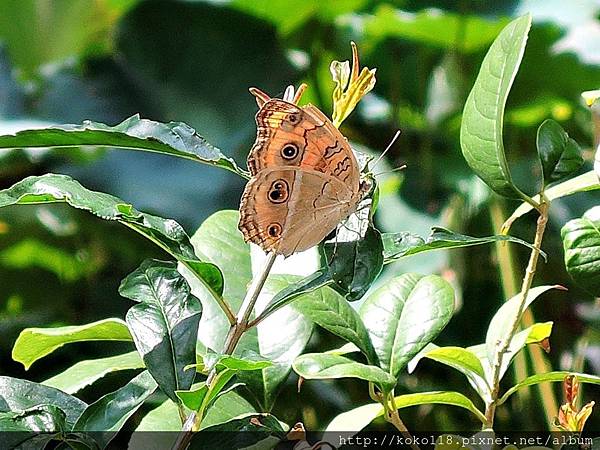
<point>65,61</point>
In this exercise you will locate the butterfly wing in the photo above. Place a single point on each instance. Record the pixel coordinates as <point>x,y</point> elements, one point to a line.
<point>288,135</point>
<point>289,209</point>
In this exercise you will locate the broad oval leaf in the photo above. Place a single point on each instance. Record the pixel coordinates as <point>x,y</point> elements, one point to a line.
<point>500,324</point>
<point>404,315</point>
<point>173,138</point>
<point>164,324</point>
<point>481,128</point>
<point>84,373</point>
<point>559,154</point>
<point>581,242</point>
<point>35,343</point>
<point>166,233</point>
<point>19,395</point>
<point>108,414</point>
<point>323,366</point>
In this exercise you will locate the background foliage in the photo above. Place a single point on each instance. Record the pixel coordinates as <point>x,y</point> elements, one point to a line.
<point>65,61</point>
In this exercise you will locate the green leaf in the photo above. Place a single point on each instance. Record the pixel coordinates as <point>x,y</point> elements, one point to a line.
<point>581,242</point>
<point>432,27</point>
<point>358,418</point>
<point>20,395</point>
<point>173,138</point>
<point>328,309</point>
<point>165,233</point>
<point>259,431</point>
<point>32,428</point>
<point>481,128</point>
<point>404,315</point>
<point>323,366</point>
<point>559,154</point>
<point>587,182</point>
<point>193,398</point>
<point>398,245</point>
<point>108,414</point>
<point>354,265</point>
<point>35,343</point>
<point>247,361</point>
<point>466,362</point>
<point>84,373</point>
<point>558,376</point>
<point>500,325</point>
<point>164,324</point>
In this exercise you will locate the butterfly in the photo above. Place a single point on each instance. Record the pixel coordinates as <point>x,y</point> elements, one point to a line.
<point>305,178</point>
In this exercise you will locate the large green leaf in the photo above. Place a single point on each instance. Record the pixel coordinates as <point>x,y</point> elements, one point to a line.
<point>398,245</point>
<point>279,338</point>
<point>581,242</point>
<point>19,395</point>
<point>481,128</point>
<point>500,325</point>
<point>354,265</point>
<point>559,154</point>
<point>173,138</point>
<point>328,309</point>
<point>558,376</point>
<point>108,414</point>
<point>588,181</point>
<point>32,428</point>
<point>84,373</point>
<point>433,27</point>
<point>164,324</point>
<point>35,343</point>
<point>404,315</point>
<point>166,233</point>
<point>323,366</point>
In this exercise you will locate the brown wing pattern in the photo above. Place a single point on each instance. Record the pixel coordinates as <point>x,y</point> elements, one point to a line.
<point>289,209</point>
<point>303,137</point>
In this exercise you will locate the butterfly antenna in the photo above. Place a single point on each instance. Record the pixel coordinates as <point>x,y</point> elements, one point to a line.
<point>387,149</point>
<point>402,167</point>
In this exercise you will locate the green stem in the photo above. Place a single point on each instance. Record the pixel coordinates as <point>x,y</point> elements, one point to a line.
<point>392,416</point>
<point>501,349</point>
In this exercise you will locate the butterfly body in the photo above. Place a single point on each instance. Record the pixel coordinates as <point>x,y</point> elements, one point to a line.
<point>305,179</point>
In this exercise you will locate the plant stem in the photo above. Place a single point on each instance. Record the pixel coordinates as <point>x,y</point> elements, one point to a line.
<point>394,418</point>
<point>192,422</point>
<point>501,349</point>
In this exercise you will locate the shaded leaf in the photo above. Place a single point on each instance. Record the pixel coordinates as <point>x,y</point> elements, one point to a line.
<point>500,325</point>
<point>165,233</point>
<point>20,395</point>
<point>323,366</point>
<point>164,324</point>
<point>559,154</point>
<point>108,414</point>
<point>581,243</point>
<point>84,373</point>
<point>404,315</point>
<point>173,138</point>
<point>35,343</point>
<point>481,127</point>
<point>398,245</point>
<point>32,428</point>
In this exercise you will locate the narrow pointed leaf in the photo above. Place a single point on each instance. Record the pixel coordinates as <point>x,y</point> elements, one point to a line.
<point>35,343</point>
<point>108,414</point>
<point>557,376</point>
<point>481,128</point>
<point>500,324</point>
<point>164,324</point>
<point>559,154</point>
<point>19,395</point>
<point>355,419</point>
<point>531,335</point>
<point>398,245</point>
<point>323,366</point>
<point>581,242</point>
<point>173,138</point>
<point>404,315</point>
<point>166,233</point>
